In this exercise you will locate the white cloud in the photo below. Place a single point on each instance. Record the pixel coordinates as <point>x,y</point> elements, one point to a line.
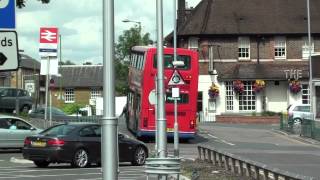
<point>80,24</point>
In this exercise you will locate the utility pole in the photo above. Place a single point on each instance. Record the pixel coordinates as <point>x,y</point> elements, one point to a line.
<point>312,107</point>
<point>161,121</point>
<point>109,122</point>
<point>176,125</point>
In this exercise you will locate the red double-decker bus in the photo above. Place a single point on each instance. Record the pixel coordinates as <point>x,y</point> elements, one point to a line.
<point>140,110</point>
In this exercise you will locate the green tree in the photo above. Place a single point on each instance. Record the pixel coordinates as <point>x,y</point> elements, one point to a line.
<point>68,62</point>
<point>126,41</point>
<point>130,38</point>
<point>21,3</point>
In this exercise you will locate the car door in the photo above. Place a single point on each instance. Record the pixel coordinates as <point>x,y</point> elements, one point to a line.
<point>125,148</point>
<point>90,141</point>
<point>8,99</point>
<point>17,135</point>
<point>4,131</point>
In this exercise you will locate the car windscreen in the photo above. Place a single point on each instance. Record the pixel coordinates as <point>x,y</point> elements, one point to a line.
<point>63,129</point>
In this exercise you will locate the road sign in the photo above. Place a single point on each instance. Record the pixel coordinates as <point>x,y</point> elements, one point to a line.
<point>176,79</point>
<point>8,50</point>
<point>48,41</point>
<point>7,14</point>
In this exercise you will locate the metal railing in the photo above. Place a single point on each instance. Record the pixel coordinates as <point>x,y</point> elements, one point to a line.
<point>308,128</point>
<point>39,122</point>
<point>163,166</point>
<point>245,167</point>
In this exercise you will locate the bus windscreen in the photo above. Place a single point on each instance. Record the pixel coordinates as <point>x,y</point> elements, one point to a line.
<point>168,59</point>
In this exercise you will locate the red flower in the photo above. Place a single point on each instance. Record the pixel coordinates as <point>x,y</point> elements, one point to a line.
<point>238,86</point>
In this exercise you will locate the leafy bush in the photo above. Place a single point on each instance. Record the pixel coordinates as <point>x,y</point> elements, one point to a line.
<point>72,108</point>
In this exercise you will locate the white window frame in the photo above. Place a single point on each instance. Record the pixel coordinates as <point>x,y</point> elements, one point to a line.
<point>305,94</point>
<point>247,99</point>
<point>229,96</point>
<point>280,50</point>
<point>305,48</point>
<point>193,43</point>
<point>94,93</point>
<point>69,96</point>
<point>244,48</point>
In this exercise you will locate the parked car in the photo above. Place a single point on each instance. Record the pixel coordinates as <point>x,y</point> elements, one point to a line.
<point>297,112</point>
<point>9,97</point>
<point>78,144</point>
<point>14,130</point>
<point>56,113</point>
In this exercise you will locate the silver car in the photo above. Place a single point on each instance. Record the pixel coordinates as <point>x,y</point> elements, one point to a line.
<point>13,131</point>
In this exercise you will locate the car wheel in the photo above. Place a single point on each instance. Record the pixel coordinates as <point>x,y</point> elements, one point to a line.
<point>41,164</point>
<point>25,109</point>
<point>80,158</point>
<point>140,156</point>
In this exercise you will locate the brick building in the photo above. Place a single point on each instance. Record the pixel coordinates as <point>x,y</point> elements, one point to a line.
<point>249,40</point>
<point>26,77</point>
<point>79,84</point>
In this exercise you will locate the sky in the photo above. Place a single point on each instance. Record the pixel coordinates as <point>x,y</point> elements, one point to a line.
<point>80,24</point>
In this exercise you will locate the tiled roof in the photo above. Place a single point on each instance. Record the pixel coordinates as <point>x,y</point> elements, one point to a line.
<point>28,62</point>
<point>251,17</point>
<point>264,70</point>
<point>80,76</point>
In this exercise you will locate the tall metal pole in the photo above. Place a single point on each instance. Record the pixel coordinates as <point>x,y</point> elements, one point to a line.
<point>176,125</point>
<point>109,121</point>
<point>161,122</point>
<point>60,82</point>
<point>47,89</point>
<point>156,116</point>
<point>310,68</point>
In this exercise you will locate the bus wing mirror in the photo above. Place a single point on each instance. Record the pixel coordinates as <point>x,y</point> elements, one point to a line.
<point>178,63</point>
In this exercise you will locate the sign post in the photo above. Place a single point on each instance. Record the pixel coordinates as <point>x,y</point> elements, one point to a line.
<point>175,95</point>
<point>48,48</point>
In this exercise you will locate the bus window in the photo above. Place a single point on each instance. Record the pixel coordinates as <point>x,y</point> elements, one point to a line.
<point>168,58</point>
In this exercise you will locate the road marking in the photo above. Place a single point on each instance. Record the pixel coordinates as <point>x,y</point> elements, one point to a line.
<point>224,141</point>
<point>47,175</point>
<point>20,161</point>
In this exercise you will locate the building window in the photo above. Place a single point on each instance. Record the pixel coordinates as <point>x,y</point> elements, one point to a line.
<point>305,94</point>
<point>69,95</point>
<point>229,96</point>
<point>193,43</point>
<point>280,48</point>
<point>95,92</point>
<point>305,48</point>
<point>247,99</point>
<point>244,47</point>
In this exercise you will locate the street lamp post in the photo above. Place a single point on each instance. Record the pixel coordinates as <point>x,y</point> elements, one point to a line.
<point>139,26</point>
<point>109,122</point>
<point>312,110</point>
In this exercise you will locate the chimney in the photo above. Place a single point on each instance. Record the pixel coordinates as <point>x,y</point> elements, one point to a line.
<point>181,14</point>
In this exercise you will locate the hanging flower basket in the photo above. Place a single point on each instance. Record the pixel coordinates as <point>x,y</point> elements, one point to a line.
<point>213,91</point>
<point>258,86</point>
<point>295,86</point>
<point>238,86</point>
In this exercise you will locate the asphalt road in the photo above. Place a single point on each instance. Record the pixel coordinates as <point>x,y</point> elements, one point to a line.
<point>12,166</point>
<point>263,144</point>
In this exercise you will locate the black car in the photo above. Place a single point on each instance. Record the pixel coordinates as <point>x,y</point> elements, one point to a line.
<point>78,144</point>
